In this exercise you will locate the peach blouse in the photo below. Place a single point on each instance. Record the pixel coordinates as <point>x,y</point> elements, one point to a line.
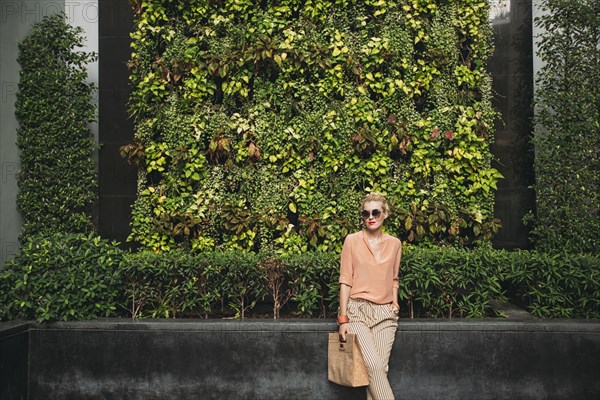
<point>368,279</point>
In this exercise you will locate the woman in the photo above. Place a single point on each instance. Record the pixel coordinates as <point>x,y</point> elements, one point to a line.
<point>369,306</point>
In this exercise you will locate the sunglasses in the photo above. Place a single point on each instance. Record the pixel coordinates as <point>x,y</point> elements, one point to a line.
<point>366,214</point>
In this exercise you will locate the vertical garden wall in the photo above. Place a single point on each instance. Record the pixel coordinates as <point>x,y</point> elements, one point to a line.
<point>259,125</point>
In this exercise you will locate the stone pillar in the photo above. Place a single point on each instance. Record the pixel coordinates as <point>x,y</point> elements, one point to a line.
<point>511,69</point>
<point>117,179</point>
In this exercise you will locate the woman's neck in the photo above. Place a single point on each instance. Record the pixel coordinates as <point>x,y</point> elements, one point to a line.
<point>373,235</point>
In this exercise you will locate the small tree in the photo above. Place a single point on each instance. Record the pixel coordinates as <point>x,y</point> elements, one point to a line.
<point>57,179</point>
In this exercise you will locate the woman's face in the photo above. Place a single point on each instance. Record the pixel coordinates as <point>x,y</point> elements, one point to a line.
<point>373,215</point>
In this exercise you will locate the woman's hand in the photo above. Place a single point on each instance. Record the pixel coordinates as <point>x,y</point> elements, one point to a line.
<point>395,307</point>
<point>343,329</point>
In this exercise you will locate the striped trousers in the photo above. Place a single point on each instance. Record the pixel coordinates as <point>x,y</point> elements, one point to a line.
<point>375,327</point>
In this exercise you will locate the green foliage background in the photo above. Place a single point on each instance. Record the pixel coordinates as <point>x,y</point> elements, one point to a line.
<point>567,136</point>
<point>57,178</point>
<point>259,125</point>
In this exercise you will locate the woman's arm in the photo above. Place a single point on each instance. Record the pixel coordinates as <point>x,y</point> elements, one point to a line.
<point>344,297</point>
<point>396,284</point>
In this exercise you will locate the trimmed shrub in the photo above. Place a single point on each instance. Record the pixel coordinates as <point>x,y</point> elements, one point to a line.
<point>567,135</point>
<point>435,282</point>
<point>63,277</point>
<point>554,286</point>
<point>447,282</point>
<point>160,285</point>
<point>57,178</point>
<point>170,285</point>
<point>314,282</point>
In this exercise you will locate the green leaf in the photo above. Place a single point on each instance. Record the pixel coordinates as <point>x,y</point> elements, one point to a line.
<point>292,207</point>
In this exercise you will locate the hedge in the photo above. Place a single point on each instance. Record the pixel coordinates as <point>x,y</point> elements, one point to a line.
<point>64,277</point>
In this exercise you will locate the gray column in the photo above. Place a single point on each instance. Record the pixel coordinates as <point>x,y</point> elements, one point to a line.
<point>511,70</point>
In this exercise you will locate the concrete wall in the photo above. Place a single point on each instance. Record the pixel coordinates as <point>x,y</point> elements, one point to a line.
<point>16,19</point>
<point>86,14</point>
<point>265,359</point>
<point>14,355</point>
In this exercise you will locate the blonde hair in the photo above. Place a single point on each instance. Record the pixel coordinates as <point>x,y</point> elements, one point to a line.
<point>376,196</point>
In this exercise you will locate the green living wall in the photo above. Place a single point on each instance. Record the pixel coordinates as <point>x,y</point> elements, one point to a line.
<point>259,125</point>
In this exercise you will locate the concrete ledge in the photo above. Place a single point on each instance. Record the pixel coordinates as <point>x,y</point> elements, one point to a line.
<point>286,359</point>
<point>14,353</point>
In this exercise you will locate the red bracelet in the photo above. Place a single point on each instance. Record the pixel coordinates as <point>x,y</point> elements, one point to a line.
<point>342,319</point>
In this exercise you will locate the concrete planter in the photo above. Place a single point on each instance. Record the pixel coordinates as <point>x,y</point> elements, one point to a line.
<point>286,359</point>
